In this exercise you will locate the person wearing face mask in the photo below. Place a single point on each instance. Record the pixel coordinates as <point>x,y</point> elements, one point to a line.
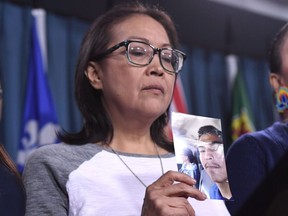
<point>12,192</point>
<point>211,150</point>
<point>252,158</point>
<point>121,162</point>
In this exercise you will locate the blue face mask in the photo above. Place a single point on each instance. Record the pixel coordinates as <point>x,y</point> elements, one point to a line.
<point>282,99</point>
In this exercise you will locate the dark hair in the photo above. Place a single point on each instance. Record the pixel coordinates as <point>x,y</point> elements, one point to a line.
<point>275,60</point>
<point>7,161</point>
<point>209,129</point>
<point>97,125</point>
<point>191,156</point>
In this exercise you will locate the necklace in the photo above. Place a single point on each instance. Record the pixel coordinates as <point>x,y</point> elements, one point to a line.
<point>121,159</point>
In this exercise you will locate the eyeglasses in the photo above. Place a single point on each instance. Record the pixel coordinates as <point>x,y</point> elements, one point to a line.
<point>141,53</point>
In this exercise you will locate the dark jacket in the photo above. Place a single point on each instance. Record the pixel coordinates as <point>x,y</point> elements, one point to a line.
<point>251,159</point>
<point>12,193</point>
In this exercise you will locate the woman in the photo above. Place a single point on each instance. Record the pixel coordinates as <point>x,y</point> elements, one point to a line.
<point>190,165</point>
<point>12,193</point>
<point>125,77</point>
<point>252,157</point>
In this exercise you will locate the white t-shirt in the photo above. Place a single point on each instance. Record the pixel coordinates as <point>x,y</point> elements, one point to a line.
<point>121,193</point>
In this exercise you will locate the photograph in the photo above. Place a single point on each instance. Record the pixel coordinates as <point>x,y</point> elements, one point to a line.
<point>199,150</point>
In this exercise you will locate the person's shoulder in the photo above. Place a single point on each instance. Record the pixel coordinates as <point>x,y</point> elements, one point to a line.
<point>246,140</point>
<point>63,152</point>
<point>254,138</point>
<point>269,135</point>
<point>59,158</point>
<point>266,141</point>
<point>278,130</point>
<point>61,148</point>
<point>51,150</point>
<point>249,142</point>
<point>279,125</point>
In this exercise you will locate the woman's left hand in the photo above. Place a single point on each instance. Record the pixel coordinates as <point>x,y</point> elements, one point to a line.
<point>168,195</point>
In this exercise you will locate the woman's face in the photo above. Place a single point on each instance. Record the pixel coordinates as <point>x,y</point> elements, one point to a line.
<point>131,91</point>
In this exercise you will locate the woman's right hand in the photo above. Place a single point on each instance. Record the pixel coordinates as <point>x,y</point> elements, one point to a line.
<point>168,195</point>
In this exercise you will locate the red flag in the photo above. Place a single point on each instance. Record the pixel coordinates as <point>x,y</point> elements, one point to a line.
<point>179,101</point>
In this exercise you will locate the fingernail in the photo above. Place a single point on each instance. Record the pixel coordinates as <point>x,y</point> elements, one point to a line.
<point>204,195</point>
<point>194,181</point>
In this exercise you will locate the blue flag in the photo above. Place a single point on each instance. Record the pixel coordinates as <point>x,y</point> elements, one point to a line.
<point>39,121</point>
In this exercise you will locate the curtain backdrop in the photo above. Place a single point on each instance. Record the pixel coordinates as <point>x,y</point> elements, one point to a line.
<point>204,75</point>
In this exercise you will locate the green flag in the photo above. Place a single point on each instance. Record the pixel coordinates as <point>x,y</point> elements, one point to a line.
<point>242,119</point>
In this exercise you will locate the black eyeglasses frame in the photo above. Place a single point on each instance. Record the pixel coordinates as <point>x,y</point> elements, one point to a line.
<point>155,51</point>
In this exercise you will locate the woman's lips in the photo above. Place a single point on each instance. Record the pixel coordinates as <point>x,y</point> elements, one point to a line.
<point>154,88</point>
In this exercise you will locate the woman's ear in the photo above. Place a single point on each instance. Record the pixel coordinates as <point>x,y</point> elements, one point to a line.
<point>275,81</point>
<point>93,73</point>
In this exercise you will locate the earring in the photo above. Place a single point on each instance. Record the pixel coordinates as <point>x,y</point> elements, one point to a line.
<point>282,99</point>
